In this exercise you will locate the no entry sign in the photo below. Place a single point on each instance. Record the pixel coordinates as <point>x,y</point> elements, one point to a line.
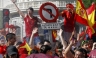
<point>48,12</point>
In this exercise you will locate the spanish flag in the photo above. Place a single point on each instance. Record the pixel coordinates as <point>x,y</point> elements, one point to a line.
<point>81,15</point>
<point>84,18</point>
<point>91,16</point>
<point>25,45</point>
<point>94,26</point>
<point>54,35</point>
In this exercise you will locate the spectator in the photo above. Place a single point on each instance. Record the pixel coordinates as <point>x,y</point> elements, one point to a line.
<point>85,45</point>
<point>69,21</point>
<point>2,46</point>
<point>12,52</point>
<point>45,49</point>
<point>11,49</point>
<point>30,21</point>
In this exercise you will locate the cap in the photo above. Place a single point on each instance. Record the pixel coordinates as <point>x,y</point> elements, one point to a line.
<point>12,50</point>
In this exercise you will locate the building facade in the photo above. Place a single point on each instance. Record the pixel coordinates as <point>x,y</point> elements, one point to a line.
<point>1,4</point>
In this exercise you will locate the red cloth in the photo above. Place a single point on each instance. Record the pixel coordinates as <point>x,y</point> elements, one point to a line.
<point>23,56</point>
<point>30,23</point>
<point>94,34</point>
<point>94,26</point>
<point>89,31</point>
<point>2,50</point>
<point>22,51</point>
<point>11,26</point>
<point>82,33</point>
<point>69,21</point>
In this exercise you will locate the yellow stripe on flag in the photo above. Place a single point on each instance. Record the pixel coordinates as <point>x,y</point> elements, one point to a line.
<point>27,47</point>
<point>80,10</point>
<point>91,16</point>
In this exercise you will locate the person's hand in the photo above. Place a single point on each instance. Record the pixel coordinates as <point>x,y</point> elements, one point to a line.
<point>73,42</point>
<point>34,30</point>
<point>94,44</point>
<point>59,33</point>
<point>13,1</point>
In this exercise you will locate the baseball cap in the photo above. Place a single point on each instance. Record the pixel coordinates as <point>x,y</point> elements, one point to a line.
<point>12,50</point>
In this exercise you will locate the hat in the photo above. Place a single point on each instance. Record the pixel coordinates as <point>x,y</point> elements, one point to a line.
<point>12,50</point>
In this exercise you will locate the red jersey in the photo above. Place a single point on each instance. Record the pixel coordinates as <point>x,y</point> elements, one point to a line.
<point>2,50</point>
<point>69,20</point>
<point>30,23</point>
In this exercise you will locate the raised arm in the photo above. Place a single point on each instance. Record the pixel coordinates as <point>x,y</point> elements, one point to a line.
<point>19,11</point>
<point>67,51</point>
<point>64,43</point>
<point>31,38</point>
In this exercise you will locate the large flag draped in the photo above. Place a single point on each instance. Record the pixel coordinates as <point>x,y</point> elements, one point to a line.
<point>81,15</point>
<point>85,17</point>
<point>91,16</point>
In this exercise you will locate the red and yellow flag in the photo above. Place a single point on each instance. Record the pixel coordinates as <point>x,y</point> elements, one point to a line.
<point>91,16</point>
<point>85,17</point>
<point>54,35</point>
<point>25,45</point>
<point>81,15</point>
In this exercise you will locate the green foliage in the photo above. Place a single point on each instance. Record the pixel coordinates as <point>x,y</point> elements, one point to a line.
<point>87,3</point>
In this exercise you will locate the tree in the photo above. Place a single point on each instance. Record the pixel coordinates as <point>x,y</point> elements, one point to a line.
<point>87,3</point>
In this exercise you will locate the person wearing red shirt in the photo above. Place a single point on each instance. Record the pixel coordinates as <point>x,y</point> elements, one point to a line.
<point>69,21</point>
<point>2,47</point>
<point>30,21</point>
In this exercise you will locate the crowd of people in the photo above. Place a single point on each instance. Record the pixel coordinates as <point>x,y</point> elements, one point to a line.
<point>71,43</point>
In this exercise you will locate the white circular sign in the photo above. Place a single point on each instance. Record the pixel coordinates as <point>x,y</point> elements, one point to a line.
<point>49,12</point>
<point>46,14</point>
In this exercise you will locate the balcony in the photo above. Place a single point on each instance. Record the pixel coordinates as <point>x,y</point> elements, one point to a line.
<point>36,5</point>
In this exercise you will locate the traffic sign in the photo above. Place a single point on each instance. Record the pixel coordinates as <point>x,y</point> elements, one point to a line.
<point>50,26</point>
<point>48,12</point>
